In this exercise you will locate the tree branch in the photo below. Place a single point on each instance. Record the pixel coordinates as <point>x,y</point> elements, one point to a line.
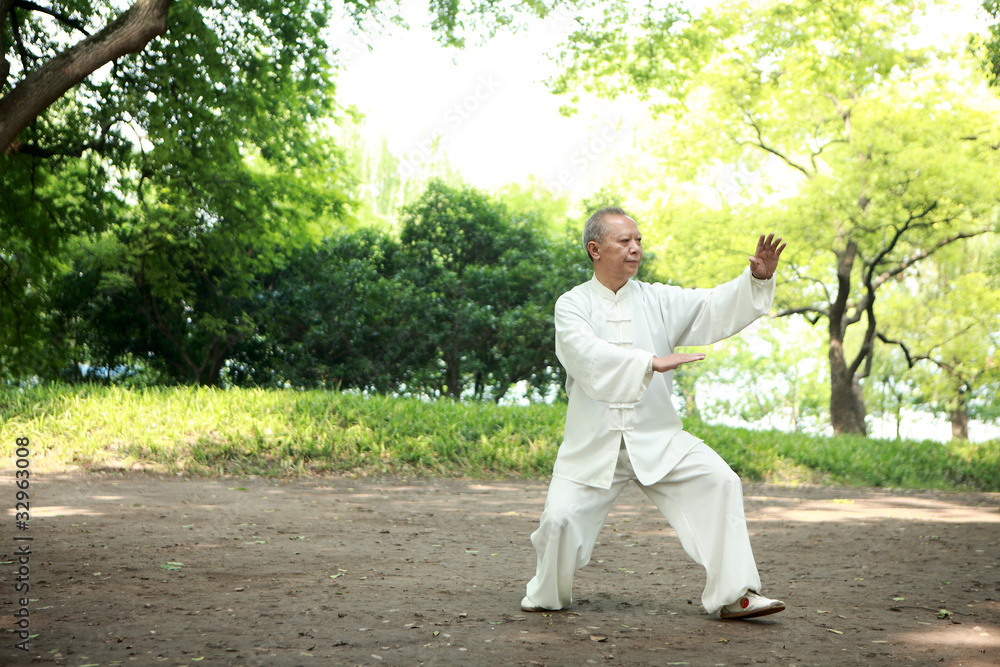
<point>859,310</point>
<point>816,313</point>
<point>838,307</point>
<point>5,6</point>
<point>910,224</point>
<point>797,272</point>
<point>887,248</point>
<point>924,254</point>
<point>911,359</point>
<point>865,353</point>
<point>819,151</point>
<point>71,22</point>
<point>773,151</point>
<point>22,50</point>
<point>976,137</point>
<point>75,151</point>
<point>129,33</point>
<point>98,145</point>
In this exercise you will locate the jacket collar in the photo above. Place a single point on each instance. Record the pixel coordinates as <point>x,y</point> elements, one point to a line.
<point>600,289</point>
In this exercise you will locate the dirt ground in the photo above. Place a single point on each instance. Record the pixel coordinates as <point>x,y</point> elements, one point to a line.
<point>146,570</point>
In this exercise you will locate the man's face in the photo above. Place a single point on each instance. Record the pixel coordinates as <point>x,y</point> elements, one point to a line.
<point>617,257</point>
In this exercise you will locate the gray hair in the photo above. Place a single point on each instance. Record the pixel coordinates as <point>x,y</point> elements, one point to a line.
<point>596,228</point>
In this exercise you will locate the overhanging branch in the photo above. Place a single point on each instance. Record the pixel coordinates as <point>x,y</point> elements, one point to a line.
<point>22,50</point>
<point>74,151</point>
<point>59,16</point>
<point>924,254</point>
<point>129,33</point>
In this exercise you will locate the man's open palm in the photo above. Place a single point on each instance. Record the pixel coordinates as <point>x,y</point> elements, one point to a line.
<point>765,261</point>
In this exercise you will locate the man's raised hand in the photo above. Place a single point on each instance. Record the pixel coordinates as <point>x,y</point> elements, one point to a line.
<point>765,260</point>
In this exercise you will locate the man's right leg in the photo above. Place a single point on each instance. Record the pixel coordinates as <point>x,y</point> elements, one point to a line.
<point>569,525</point>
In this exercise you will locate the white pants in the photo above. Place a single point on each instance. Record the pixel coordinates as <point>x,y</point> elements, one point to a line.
<point>701,497</point>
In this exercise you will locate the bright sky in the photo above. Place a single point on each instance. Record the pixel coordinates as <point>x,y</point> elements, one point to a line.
<point>488,104</point>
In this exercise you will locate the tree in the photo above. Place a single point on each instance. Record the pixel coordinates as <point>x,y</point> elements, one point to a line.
<point>535,199</point>
<point>230,176</point>
<point>335,316</point>
<point>488,282</point>
<point>954,353</point>
<point>911,188</point>
<point>44,203</point>
<point>770,376</point>
<point>217,101</point>
<point>887,157</point>
<point>460,305</point>
<point>186,166</point>
<point>40,86</point>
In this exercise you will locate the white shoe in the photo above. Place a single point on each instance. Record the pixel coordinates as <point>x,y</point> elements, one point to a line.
<point>527,604</point>
<point>751,605</point>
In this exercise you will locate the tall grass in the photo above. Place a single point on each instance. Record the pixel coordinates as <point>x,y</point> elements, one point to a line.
<point>252,431</point>
<point>282,433</point>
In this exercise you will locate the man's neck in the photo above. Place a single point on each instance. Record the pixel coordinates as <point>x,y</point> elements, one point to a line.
<point>613,284</point>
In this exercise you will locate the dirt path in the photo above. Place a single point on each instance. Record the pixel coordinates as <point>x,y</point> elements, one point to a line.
<point>147,570</point>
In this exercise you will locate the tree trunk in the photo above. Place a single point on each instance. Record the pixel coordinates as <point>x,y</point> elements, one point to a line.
<point>453,374</point>
<point>129,33</point>
<point>689,394</point>
<point>847,403</point>
<point>960,417</point>
<point>960,424</point>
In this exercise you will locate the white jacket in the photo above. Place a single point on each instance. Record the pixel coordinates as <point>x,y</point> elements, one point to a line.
<point>606,341</point>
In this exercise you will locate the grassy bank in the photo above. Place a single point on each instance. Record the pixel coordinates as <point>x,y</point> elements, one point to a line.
<point>243,432</point>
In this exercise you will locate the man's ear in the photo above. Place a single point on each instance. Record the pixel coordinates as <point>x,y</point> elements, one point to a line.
<point>594,250</point>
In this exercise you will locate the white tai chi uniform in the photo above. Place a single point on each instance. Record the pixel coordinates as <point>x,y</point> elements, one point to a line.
<point>621,426</point>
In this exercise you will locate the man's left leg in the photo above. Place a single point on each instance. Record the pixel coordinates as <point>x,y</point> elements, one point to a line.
<point>702,498</point>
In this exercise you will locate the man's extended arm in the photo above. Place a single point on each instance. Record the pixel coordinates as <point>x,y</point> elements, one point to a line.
<point>709,316</point>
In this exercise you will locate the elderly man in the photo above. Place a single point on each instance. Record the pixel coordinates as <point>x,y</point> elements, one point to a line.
<point>616,338</point>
